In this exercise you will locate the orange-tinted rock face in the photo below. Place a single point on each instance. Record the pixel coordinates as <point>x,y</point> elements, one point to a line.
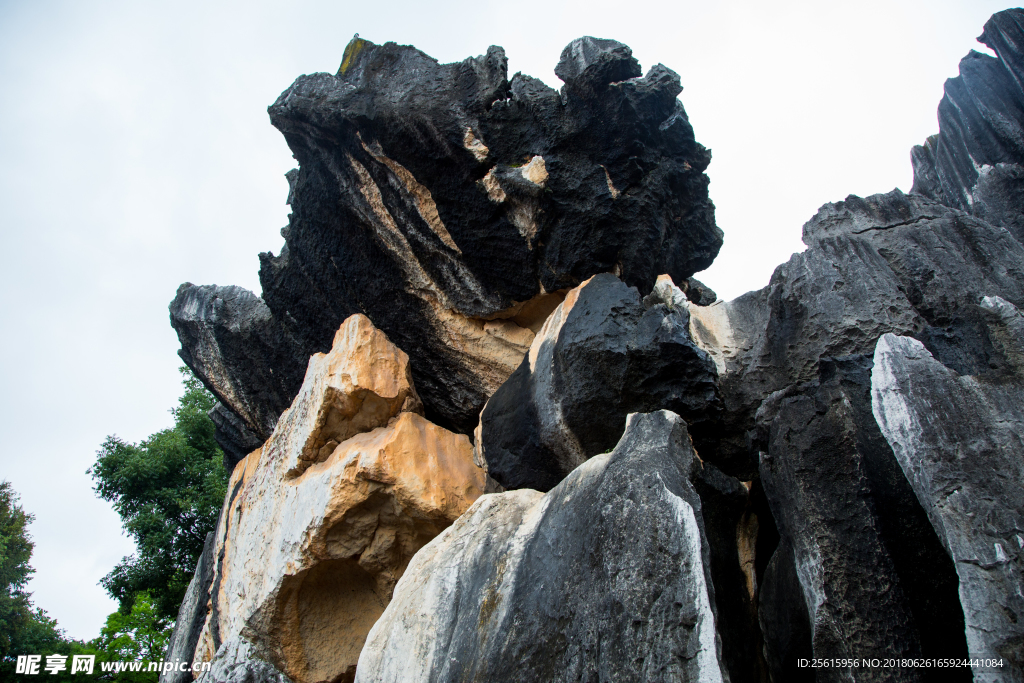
<point>322,521</point>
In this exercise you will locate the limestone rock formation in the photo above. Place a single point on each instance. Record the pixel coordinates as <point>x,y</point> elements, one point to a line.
<point>320,522</point>
<point>975,161</point>
<point>236,662</point>
<point>606,577</point>
<point>601,355</point>
<point>859,557</point>
<point>858,567</point>
<point>844,480</point>
<point>454,207</point>
<point>894,263</point>
<point>960,442</point>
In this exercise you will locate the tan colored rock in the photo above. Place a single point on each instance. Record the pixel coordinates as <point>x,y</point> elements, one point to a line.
<point>320,523</point>
<point>363,382</point>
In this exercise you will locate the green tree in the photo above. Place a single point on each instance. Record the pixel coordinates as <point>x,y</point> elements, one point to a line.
<point>24,629</point>
<point>140,635</point>
<point>168,490</point>
<point>15,551</point>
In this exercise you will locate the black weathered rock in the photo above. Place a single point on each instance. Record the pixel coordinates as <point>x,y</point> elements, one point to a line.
<point>191,617</point>
<point>975,162</point>
<point>251,363</point>
<point>429,191</point>
<point>601,355</point>
<point>606,577</point>
<point>872,576</point>
<point>871,571</point>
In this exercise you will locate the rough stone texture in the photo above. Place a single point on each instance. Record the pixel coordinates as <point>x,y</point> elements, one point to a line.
<point>320,522</point>
<point>887,263</point>
<point>960,442</point>
<point>454,206</point>
<point>250,362</point>
<point>191,616</point>
<point>236,662</point>
<point>601,355</point>
<point>975,161</point>
<point>606,577</point>
<point>871,575</point>
<point>858,567</point>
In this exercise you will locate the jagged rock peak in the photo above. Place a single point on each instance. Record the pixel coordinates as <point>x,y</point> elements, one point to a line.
<point>246,357</point>
<point>607,61</point>
<point>435,197</point>
<point>974,163</point>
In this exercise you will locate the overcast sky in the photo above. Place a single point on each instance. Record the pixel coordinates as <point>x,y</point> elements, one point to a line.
<point>136,154</point>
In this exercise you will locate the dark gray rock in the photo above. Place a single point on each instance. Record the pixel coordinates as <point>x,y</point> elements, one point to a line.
<point>959,440</point>
<point>601,355</point>
<point>606,577</point>
<point>251,363</point>
<point>191,617</point>
<point>732,525</point>
<point>894,263</point>
<point>429,190</point>
<point>975,162</point>
<point>233,435</point>
<point>699,293</point>
<point>783,618</point>
<point>871,574</point>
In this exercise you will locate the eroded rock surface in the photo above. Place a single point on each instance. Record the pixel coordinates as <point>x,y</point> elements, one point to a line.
<point>960,442</point>
<point>236,662</point>
<point>869,568</point>
<point>602,354</point>
<point>320,523</point>
<point>975,161</point>
<point>859,571</point>
<point>606,577</point>
<point>894,263</point>
<point>455,206</point>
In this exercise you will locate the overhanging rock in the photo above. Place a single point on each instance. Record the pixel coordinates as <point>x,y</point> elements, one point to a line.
<point>455,206</point>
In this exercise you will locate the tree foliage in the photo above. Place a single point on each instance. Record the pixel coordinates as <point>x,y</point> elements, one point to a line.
<point>15,551</point>
<point>168,490</point>
<point>24,629</point>
<point>142,634</point>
